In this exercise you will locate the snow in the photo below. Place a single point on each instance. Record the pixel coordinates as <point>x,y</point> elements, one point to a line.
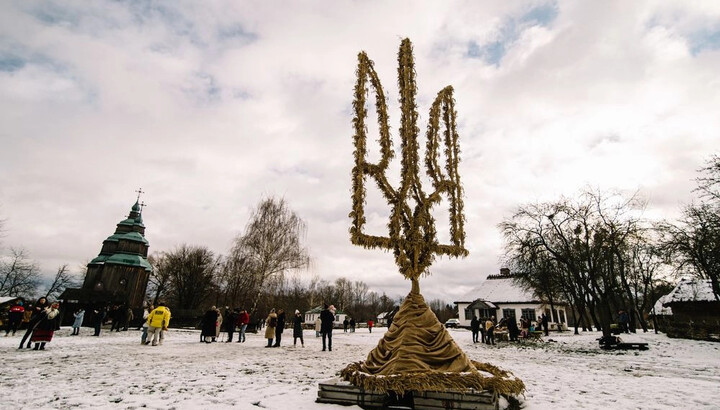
<point>499,290</point>
<point>114,371</point>
<point>659,309</point>
<point>691,289</point>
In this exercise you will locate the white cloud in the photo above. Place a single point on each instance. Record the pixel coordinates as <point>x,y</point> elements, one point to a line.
<point>209,106</point>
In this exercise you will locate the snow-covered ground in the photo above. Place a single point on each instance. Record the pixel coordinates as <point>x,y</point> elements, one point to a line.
<point>115,371</point>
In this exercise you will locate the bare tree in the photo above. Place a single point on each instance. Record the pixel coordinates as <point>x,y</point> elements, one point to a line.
<point>159,279</point>
<point>272,245</point>
<point>63,279</point>
<point>19,276</point>
<point>709,181</point>
<point>191,274</point>
<point>693,242</point>
<point>238,279</point>
<point>588,239</point>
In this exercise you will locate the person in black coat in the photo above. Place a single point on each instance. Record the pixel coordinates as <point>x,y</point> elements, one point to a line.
<point>230,322</point>
<point>280,327</point>
<point>513,330</point>
<point>475,328</point>
<point>209,323</point>
<point>114,315</point>
<point>326,319</point>
<point>544,323</point>
<point>99,319</point>
<point>298,321</point>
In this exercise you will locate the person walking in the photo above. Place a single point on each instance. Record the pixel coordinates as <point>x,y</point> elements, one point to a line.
<point>243,319</point>
<point>370,325</point>
<point>99,319</point>
<point>352,325</point>
<point>37,312</point>
<point>490,330</point>
<point>544,323</point>
<point>209,322</point>
<point>47,324</point>
<point>158,322</point>
<point>327,317</point>
<point>270,324</point>
<point>298,321</point>
<point>114,315</point>
<point>146,315</point>
<point>475,328</point>
<point>280,327</point>
<point>79,315</point>
<point>15,318</point>
<point>346,322</point>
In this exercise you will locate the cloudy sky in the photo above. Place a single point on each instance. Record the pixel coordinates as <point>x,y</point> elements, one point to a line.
<point>210,106</point>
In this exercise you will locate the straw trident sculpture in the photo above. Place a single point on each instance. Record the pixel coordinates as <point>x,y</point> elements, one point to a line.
<point>417,351</point>
<point>412,235</point>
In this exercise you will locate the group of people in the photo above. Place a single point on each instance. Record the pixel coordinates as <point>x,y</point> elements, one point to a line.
<point>44,319</point>
<point>120,317</point>
<point>156,321</point>
<point>42,322</point>
<point>234,319</point>
<point>351,325</point>
<point>486,328</point>
<point>275,325</point>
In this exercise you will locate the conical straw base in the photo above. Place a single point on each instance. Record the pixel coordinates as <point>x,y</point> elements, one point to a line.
<point>417,353</point>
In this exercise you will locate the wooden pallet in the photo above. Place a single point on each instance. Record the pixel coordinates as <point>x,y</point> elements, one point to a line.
<point>625,346</point>
<point>337,391</point>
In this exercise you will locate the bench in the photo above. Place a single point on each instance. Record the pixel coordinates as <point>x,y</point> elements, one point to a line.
<point>615,343</point>
<point>631,346</point>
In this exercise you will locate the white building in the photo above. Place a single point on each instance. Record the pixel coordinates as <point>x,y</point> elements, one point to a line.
<point>313,314</point>
<point>499,296</point>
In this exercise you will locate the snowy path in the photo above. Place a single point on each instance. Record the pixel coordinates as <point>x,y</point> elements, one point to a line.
<point>115,371</point>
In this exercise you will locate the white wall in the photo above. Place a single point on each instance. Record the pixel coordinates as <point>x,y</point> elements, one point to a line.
<point>539,309</point>
<point>312,317</point>
<point>461,314</point>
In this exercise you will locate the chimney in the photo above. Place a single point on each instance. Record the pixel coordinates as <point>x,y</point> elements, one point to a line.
<point>504,272</point>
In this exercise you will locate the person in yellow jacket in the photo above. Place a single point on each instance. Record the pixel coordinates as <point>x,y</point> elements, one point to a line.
<point>158,322</point>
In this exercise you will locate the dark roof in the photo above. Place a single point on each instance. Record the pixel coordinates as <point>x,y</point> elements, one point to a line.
<point>318,309</point>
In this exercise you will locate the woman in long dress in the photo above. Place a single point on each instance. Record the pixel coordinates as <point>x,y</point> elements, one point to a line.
<point>46,327</point>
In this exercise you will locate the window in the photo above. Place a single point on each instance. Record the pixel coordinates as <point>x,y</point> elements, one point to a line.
<point>529,314</point>
<point>509,313</point>
<point>562,316</point>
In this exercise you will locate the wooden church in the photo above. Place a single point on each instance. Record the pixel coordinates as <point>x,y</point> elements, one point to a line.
<point>118,275</point>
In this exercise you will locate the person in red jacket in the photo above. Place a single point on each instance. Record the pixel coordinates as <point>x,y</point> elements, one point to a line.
<point>370,325</point>
<point>242,321</point>
<point>15,317</point>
